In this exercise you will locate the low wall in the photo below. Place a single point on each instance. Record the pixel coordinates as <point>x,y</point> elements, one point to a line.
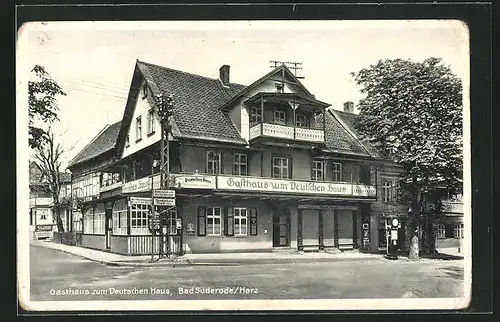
<point>67,238</point>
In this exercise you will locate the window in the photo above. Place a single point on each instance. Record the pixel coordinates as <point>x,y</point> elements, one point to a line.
<point>139,216</point>
<point>458,230</point>
<point>138,128</point>
<point>279,87</point>
<point>300,120</point>
<point>151,122</point>
<point>127,141</point>
<point>337,172</point>
<point>255,115</point>
<point>120,218</point>
<point>99,223</point>
<point>281,168</point>
<point>77,221</point>
<point>213,221</point>
<point>88,224</point>
<point>240,164</point>
<point>318,170</point>
<point>387,191</point>
<point>213,162</point>
<point>240,221</point>
<point>279,117</point>
<point>43,217</point>
<point>441,231</point>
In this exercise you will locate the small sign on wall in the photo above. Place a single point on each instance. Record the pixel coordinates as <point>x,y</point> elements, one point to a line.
<point>365,226</point>
<point>190,229</point>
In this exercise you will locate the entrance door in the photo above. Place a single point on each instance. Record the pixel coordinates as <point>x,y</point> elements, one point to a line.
<point>109,227</point>
<point>281,228</point>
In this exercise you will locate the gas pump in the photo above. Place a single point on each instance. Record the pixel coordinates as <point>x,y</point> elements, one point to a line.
<point>392,238</point>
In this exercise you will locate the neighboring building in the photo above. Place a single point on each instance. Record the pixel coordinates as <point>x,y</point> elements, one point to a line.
<point>449,224</point>
<point>255,168</point>
<point>41,204</point>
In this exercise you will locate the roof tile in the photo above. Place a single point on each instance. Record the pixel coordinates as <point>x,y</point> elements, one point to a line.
<point>102,143</point>
<point>197,99</point>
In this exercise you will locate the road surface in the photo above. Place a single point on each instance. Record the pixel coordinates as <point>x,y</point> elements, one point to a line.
<point>60,276</point>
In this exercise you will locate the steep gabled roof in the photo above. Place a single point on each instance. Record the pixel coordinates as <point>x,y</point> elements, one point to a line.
<point>103,142</point>
<point>280,69</point>
<point>340,140</point>
<point>348,122</point>
<point>196,102</point>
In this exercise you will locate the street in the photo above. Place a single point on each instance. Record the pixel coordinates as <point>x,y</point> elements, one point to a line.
<point>56,275</point>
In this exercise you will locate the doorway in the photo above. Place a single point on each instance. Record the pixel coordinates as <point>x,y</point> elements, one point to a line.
<point>281,228</point>
<point>108,227</point>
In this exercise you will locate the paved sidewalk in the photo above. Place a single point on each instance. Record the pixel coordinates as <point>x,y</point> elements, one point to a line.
<point>208,259</point>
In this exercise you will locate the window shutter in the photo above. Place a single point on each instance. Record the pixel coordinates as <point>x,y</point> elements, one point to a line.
<point>202,222</point>
<point>290,168</point>
<point>449,231</point>
<point>228,221</point>
<point>253,221</point>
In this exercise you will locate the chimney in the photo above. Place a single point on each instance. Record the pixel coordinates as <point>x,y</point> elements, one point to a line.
<point>224,74</point>
<point>349,107</point>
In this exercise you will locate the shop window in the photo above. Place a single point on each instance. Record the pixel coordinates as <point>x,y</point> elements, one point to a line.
<point>240,221</point>
<point>138,129</point>
<point>151,122</point>
<point>337,172</point>
<point>240,164</point>
<point>213,162</point>
<point>255,115</point>
<point>120,222</point>
<point>172,222</point>
<point>301,120</point>
<point>279,117</point>
<point>318,170</point>
<point>458,230</point>
<point>213,225</point>
<point>441,231</point>
<point>281,167</point>
<point>139,216</point>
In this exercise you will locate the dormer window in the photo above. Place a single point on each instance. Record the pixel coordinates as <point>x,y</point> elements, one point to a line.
<point>279,87</point>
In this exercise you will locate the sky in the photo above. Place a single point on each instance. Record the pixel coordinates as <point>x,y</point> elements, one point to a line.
<point>93,61</point>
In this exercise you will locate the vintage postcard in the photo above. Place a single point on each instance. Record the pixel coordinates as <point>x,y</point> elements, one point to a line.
<point>243,165</point>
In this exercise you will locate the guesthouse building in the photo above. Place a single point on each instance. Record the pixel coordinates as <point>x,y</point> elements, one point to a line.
<point>262,167</point>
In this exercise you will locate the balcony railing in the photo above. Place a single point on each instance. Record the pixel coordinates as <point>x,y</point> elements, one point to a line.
<point>286,132</point>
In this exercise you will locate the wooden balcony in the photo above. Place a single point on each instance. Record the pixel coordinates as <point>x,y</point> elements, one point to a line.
<point>286,132</point>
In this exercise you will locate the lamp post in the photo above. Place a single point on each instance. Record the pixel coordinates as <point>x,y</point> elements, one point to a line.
<point>165,109</point>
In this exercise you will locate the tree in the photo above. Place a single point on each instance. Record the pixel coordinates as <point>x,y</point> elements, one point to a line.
<point>412,111</point>
<point>42,103</point>
<point>49,155</point>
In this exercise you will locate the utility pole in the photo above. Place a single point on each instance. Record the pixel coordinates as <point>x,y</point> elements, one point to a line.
<point>165,110</point>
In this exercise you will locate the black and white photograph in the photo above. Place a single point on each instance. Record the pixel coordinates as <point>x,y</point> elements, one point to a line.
<point>243,165</point>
